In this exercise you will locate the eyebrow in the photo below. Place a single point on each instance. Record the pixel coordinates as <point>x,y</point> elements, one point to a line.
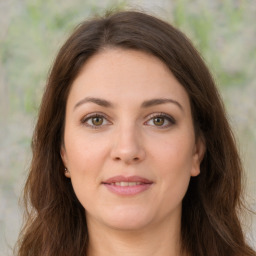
<point>153,102</point>
<point>98,101</point>
<point>145,104</point>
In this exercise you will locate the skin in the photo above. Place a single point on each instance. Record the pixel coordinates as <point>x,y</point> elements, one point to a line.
<point>130,140</point>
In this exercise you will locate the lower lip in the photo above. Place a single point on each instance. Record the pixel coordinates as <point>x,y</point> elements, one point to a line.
<point>127,190</point>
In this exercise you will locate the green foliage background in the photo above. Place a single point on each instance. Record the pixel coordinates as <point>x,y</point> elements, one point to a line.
<point>31,32</point>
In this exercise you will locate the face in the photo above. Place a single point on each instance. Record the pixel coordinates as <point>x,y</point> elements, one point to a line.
<point>129,142</point>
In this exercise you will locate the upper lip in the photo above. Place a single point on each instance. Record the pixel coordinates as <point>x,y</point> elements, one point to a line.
<point>121,178</point>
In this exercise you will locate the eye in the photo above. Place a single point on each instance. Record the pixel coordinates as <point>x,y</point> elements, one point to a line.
<point>95,120</point>
<point>160,120</point>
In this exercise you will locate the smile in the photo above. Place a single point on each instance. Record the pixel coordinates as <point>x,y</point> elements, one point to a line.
<point>127,186</point>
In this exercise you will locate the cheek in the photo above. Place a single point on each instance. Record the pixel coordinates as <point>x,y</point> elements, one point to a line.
<point>84,152</point>
<point>174,154</point>
<point>85,161</point>
<point>173,162</point>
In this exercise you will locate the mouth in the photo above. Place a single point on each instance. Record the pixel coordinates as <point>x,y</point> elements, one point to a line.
<point>127,186</point>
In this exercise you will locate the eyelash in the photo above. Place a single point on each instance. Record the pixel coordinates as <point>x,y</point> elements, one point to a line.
<point>171,121</point>
<point>90,117</point>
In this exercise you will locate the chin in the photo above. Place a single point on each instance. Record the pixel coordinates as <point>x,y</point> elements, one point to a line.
<point>127,219</point>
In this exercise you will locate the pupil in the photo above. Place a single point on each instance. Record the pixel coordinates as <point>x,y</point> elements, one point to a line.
<point>97,120</point>
<point>159,121</point>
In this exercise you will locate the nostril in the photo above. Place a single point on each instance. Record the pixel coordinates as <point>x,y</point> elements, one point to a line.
<point>135,159</point>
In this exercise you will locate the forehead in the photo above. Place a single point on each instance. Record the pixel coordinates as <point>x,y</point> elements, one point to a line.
<point>122,75</point>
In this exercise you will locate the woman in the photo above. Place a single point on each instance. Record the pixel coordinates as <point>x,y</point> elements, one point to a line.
<point>132,152</point>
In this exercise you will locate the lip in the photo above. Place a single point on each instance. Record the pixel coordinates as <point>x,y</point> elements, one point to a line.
<point>145,184</point>
<point>121,178</point>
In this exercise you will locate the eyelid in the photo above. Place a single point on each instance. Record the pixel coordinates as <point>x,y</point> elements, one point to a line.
<point>85,118</point>
<point>167,117</point>
<point>163,115</point>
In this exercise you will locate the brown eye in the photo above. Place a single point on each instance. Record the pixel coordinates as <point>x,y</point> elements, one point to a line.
<point>97,121</point>
<point>158,121</point>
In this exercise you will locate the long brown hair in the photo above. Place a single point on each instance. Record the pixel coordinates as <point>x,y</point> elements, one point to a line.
<point>55,222</point>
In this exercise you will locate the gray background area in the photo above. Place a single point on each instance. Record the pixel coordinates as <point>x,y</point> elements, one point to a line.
<point>32,31</point>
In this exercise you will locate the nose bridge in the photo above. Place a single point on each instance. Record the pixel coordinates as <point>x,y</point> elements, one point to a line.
<point>127,143</point>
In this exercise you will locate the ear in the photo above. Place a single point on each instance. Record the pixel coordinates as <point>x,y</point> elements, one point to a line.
<point>63,155</point>
<point>198,155</point>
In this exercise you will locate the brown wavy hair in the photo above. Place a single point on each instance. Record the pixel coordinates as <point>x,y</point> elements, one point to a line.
<point>55,220</point>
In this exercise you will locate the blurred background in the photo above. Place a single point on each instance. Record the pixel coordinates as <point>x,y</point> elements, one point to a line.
<point>32,31</point>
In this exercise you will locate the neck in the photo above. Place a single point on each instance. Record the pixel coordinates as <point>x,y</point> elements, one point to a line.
<point>158,240</point>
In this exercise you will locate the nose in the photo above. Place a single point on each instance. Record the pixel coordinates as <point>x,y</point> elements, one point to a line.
<point>127,146</point>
